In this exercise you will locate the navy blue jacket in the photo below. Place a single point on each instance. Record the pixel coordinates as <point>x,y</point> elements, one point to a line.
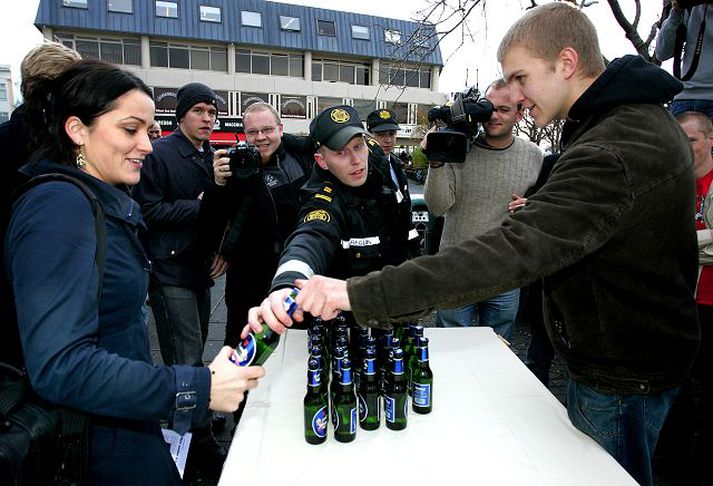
<point>172,178</point>
<point>88,355</point>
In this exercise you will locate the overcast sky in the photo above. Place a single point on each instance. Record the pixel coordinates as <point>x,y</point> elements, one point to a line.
<point>18,34</point>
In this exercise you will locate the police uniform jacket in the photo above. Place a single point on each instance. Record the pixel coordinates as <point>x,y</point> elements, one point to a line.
<point>345,231</point>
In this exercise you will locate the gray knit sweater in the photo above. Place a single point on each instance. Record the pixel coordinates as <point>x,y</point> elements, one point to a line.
<point>700,86</point>
<point>474,195</point>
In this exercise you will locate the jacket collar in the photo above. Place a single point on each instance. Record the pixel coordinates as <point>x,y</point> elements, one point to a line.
<point>116,203</point>
<point>184,146</point>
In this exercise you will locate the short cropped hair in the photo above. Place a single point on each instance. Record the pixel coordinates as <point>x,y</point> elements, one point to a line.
<point>47,60</point>
<point>704,123</point>
<point>548,29</point>
<point>262,106</point>
<point>500,83</point>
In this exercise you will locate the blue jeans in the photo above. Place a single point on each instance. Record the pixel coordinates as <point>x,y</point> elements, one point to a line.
<point>682,106</point>
<point>626,426</point>
<point>181,316</point>
<point>498,312</point>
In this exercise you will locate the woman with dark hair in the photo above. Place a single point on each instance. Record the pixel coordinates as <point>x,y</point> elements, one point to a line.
<point>83,332</point>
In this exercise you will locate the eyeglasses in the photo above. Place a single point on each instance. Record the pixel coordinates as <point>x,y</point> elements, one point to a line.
<point>267,131</point>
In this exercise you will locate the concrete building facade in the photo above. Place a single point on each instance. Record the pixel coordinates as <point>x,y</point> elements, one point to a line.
<point>7,98</point>
<point>299,59</point>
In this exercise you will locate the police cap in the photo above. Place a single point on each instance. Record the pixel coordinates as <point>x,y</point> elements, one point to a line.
<point>335,126</point>
<point>381,121</point>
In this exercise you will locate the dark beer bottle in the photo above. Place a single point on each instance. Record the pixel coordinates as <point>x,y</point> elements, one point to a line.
<point>422,379</point>
<point>395,397</point>
<point>315,406</point>
<point>345,405</point>
<point>412,356</point>
<point>368,393</point>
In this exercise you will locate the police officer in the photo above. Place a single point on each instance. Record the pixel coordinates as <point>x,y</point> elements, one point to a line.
<point>383,127</point>
<point>350,222</point>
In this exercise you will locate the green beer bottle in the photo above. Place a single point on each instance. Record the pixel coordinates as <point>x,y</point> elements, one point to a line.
<point>315,406</point>
<point>256,348</point>
<point>395,396</point>
<point>345,405</point>
<point>368,393</point>
<point>422,379</point>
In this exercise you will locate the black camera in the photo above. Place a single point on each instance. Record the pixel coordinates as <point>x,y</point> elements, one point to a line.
<point>461,117</point>
<point>244,160</point>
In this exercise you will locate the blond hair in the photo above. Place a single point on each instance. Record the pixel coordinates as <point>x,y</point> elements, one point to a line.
<point>548,29</point>
<point>262,106</point>
<point>45,61</point>
<point>704,123</point>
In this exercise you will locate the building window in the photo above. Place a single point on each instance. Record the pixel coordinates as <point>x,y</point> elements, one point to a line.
<point>166,9</point>
<point>75,3</point>
<point>117,51</point>
<point>360,32</point>
<point>409,77</point>
<point>324,102</point>
<point>326,27</point>
<point>291,24</point>
<point>120,6</point>
<point>251,19</point>
<point>209,14</point>
<point>364,107</point>
<point>392,36</point>
<point>4,116</point>
<point>182,56</point>
<point>333,70</point>
<point>276,64</point>
<point>3,91</point>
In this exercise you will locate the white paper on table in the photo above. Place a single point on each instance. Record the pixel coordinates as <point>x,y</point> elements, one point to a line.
<point>179,447</point>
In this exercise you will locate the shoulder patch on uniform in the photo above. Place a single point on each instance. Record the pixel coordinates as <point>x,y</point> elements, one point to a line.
<point>318,215</point>
<point>371,142</point>
<point>327,189</point>
<point>322,196</point>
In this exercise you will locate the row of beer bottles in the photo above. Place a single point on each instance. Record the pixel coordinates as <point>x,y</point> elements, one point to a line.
<point>344,400</point>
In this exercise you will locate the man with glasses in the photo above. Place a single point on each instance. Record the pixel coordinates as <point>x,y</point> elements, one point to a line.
<point>174,178</point>
<point>261,211</point>
<point>349,224</point>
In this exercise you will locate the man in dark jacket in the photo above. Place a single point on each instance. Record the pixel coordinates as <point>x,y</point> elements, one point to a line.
<point>174,179</point>
<point>262,207</point>
<point>611,231</point>
<point>383,126</point>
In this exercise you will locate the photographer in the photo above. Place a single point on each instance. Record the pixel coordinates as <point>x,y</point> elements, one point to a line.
<point>263,196</point>
<point>474,195</point>
<point>686,23</point>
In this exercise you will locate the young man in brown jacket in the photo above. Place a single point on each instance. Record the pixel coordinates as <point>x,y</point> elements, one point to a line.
<point>611,232</point>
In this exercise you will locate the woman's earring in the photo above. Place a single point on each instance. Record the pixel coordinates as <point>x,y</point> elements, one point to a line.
<point>81,161</point>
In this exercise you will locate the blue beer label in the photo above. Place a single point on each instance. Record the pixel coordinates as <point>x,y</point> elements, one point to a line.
<point>363,408</point>
<point>353,421</point>
<point>289,303</point>
<point>422,394</point>
<point>390,409</point>
<point>315,378</point>
<point>319,422</point>
<point>245,353</point>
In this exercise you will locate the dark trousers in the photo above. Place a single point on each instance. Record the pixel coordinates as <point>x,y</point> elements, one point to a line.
<point>181,316</point>
<point>680,453</point>
<point>243,290</point>
<point>540,352</point>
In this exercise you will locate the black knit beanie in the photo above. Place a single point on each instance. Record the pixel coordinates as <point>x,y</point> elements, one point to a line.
<point>191,94</point>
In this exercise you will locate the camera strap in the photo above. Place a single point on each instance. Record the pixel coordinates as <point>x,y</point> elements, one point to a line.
<point>678,49</point>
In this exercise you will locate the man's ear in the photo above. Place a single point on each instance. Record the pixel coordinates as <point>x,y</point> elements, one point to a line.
<point>76,130</point>
<point>321,162</point>
<point>568,61</point>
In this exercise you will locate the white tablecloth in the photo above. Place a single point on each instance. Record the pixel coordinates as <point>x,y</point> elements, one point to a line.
<point>493,423</point>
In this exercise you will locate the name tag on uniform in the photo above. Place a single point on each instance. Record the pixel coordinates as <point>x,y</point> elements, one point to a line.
<point>361,242</point>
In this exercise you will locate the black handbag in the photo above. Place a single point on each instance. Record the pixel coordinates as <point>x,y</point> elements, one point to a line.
<point>40,444</point>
